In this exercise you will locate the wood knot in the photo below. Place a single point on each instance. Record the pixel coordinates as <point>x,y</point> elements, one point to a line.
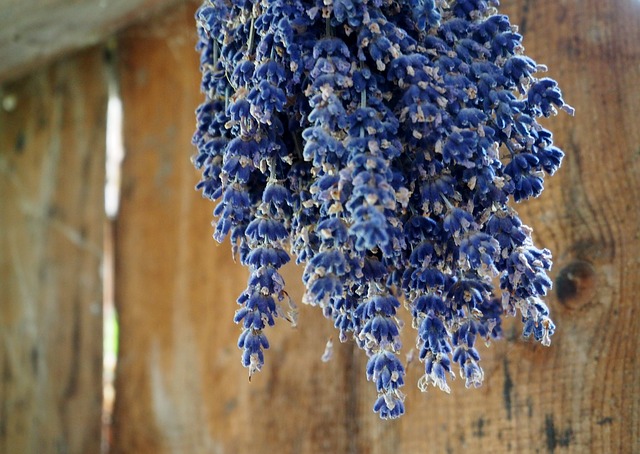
<point>575,283</point>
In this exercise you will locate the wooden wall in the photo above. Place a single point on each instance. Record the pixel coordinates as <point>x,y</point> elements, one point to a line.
<point>180,387</point>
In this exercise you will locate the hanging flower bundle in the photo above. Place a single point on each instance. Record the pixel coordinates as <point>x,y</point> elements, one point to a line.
<point>379,142</point>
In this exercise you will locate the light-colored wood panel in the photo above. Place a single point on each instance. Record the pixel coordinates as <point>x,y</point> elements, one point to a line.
<point>52,151</point>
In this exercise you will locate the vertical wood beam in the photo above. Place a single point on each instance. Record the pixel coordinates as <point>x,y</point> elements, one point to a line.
<point>52,152</point>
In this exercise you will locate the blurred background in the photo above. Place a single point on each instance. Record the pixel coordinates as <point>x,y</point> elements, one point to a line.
<point>116,305</point>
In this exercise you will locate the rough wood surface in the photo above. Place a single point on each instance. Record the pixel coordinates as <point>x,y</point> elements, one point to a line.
<point>33,32</point>
<point>52,135</point>
<point>181,387</point>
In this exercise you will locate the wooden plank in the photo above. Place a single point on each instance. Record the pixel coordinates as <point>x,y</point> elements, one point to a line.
<point>34,32</point>
<point>181,387</point>
<point>52,148</point>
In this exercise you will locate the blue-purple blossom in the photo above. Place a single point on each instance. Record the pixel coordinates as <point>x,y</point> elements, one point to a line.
<point>379,143</point>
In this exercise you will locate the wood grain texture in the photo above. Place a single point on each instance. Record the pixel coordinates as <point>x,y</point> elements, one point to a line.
<point>181,387</point>
<point>51,213</point>
<point>34,32</point>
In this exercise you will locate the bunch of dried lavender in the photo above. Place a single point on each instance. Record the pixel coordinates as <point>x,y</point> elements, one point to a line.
<point>378,141</point>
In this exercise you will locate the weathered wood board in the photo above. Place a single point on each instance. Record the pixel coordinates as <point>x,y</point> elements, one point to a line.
<point>34,32</point>
<point>180,385</point>
<point>52,151</point>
